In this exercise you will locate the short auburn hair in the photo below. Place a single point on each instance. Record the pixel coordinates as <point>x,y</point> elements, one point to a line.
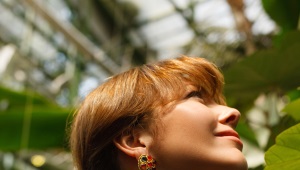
<point>130,99</point>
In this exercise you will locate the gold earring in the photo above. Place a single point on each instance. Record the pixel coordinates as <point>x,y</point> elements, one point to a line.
<point>146,162</point>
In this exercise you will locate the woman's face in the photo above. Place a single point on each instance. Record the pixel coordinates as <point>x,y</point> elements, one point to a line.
<point>198,135</point>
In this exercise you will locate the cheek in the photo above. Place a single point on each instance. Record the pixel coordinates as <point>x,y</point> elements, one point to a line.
<point>197,124</point>
<point>195,118</point>
<point>185,130</point>
<point>183,142</point>
<point>189,118</point>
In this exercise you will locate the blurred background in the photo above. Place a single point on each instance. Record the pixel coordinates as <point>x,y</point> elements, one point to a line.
<point>54,52</point>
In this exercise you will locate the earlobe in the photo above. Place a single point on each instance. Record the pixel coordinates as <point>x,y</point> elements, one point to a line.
<point>131,144</point>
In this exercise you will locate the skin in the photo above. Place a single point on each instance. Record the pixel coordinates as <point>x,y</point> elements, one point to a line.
<point>196,135</point>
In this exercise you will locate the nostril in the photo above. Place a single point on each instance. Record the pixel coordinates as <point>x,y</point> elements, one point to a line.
<point>231,118</point>
<point>228,116</point>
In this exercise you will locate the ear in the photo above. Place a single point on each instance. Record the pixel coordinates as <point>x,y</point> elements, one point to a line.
<point>134,144</point>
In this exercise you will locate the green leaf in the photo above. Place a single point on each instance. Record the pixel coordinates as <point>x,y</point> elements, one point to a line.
<point>284,123</point>
<point>291,38</point>
<point>270,70</point>
<point>28,120</point>
<point>285,154</point>
<point>293,109</point>
<point>293,94</point>
<point>19,98</point>
<point>47,128</point>
<point>284,12</point>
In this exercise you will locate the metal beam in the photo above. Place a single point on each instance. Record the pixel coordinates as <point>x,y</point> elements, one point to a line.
<point>76,37</point>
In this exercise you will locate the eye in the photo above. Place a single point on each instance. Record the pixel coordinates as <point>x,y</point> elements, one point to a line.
<point>195,94</point>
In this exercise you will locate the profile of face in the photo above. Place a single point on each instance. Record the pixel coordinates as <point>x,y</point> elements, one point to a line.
<point>198,134</point>
<point>195,134</point>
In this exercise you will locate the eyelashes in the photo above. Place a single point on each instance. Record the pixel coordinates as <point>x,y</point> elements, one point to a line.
<point>195,94</point>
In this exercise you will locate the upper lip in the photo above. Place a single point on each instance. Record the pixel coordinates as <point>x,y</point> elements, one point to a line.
<point>228,133</point>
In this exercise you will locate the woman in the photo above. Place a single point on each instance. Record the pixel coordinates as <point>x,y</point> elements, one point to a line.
<point>166,116</point>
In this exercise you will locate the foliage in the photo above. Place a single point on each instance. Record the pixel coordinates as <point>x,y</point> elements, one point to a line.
<point>266,71</point>
<point>30,121</point>
<point>284,13</point>
<point>285,154</point>
<point>275,70</point>
<point>293,109</point>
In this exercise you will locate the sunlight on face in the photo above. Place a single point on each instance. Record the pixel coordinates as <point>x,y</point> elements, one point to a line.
<point>197,135</point>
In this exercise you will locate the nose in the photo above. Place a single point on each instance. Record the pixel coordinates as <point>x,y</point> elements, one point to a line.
<point>228,116</point>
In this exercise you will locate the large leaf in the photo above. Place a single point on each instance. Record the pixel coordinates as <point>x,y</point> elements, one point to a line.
<point>293,109</point>
<point>16,98</point>
<point>284,12</point>
<point>293,95</point>
<point>285,154</point>
<point>30,121</point>
<point>284,123</point>
<point>276,69</point>
<point>289,39</point>
<point>46,128</point>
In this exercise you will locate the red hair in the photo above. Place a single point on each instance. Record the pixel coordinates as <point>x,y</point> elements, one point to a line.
<point>130,99</point>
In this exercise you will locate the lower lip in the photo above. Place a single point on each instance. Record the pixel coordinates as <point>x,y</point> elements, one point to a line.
<point>235,139</point>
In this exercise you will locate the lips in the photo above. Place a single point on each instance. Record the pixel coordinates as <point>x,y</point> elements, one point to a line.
<point>232,135</point>
<point>228,133</point>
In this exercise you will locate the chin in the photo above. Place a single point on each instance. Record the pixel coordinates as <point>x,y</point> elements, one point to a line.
<point>237,162</point>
